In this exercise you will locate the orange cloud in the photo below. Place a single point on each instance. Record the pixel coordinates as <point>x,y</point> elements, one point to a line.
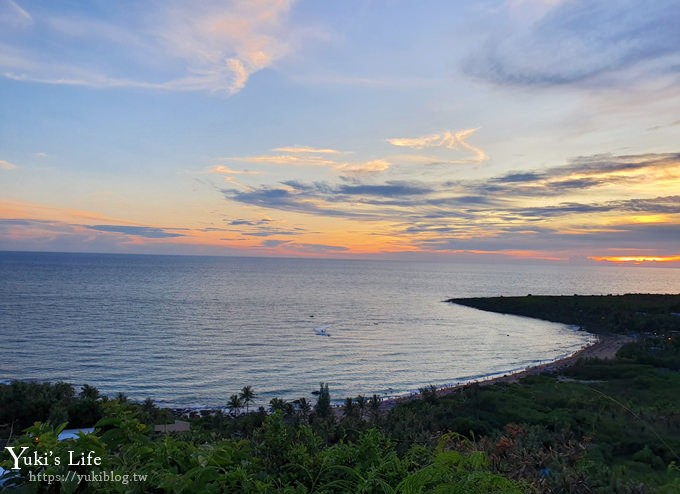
<point>306,149</point>
<point>228,171</point>
<point>446,139</point>
<point>286,159</point>
<point>365,168</point>
<point>308,156</point>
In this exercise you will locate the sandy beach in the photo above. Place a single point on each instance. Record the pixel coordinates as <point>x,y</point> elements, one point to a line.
<point>604,348</point>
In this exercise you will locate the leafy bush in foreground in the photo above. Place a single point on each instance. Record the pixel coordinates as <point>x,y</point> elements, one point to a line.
<point>278,458</point>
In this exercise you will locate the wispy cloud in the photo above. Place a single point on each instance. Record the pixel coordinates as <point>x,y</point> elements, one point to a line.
<point>227,43</point>
<point>389,189</point>
<point>578,41</point>
<point>445,139</point>
<point>213,46</point>
<point>357,169</point>
<point>304,248</point>
<point>506,194</point>
<point>306,149</point>
<point>626,238</point>
<point>80,27</point>
<point>285,159</point>
<point>6,165</point>
<point>316,157</point>
<point>546,209</point>
<point>656,205</point>
<point>318,248</point>
<point>664,126</point>
<point>245,222</point>
<point>225,170</point>
<point>38,234</point>
<point>363,168</point>
<point>264,227</point>
<point>139,231</point>
<point>13,16</point>
<point>588,172</point>
<point>270,233</point>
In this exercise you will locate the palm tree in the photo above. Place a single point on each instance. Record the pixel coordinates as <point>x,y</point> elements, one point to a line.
<point>150,409</point>
<point>278,404</point>
<point>305,408</point>
<point>234,404</point>
<point>323,403</point>
<point>88,392</point>
<point>374,405</point>
<point>361,403</point>
<point>349,407</point>
<point>247,395</point>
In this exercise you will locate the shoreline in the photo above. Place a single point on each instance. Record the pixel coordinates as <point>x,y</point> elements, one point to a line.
<point>605,348</point>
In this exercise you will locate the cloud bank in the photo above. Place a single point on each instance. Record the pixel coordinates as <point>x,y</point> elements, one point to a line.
<point>552,209</point>
<point>582,41</point>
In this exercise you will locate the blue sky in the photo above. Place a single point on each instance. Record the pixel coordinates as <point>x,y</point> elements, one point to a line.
<point>532,129</point>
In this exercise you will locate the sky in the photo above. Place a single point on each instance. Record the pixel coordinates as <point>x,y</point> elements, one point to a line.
<point>486,131</point>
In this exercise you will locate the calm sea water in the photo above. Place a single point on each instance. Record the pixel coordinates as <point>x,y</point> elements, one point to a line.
<point>190,331</point>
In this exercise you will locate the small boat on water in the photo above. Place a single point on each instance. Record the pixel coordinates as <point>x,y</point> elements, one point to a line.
<point>321,331</point>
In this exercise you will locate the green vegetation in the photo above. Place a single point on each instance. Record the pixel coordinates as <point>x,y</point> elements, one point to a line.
<point>256,453</point>
<point>22,403</point>
<point>605,425</point>
<point>631,313</point>
<point>597,427</point>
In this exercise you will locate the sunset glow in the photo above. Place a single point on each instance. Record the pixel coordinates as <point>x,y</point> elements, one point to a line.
<point>303,129</point>
<point>638,260</point>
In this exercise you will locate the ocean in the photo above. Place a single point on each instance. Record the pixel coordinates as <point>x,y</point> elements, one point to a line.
<point>190,331</point>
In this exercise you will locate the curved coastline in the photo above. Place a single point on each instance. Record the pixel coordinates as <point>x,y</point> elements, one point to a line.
<point>604,348</point>
<point>607,343</point>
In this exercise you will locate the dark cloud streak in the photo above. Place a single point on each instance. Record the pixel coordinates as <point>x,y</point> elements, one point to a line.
<point>449,215</point>
<point>139,231</point>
